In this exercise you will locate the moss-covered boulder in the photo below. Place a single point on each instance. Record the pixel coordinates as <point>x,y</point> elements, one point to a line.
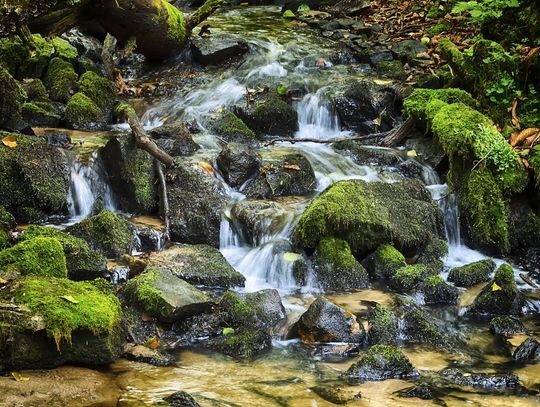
<point>237,163</point>
<point>199,265</point>
<point>100,90</point>
<point>41,114</point>
<point>174,138</point>
<point>367,215</point>
<point>35,89</point>
<point>243,343</point>
<point>471,274</point>
<point>105,232</point>
<point>131,174</point>
<point>336,268</point>
<point>232,128</point>
<point>29,184</point>
<point>61,80</point>
<point>82,113</point>
<point>82,262</point>
<point>196,202</point>
<point>12,96</point>
<point>41,256</point>
<point>272,116</point>
<point>383,326</point>
<point>381,362</point>
<point>7,223</point>
<point>46,322</point>
<point>287,175</point>
<point>13,53</point>
<point>500,296</point>
<point>384,262</point>
<point>409,277</point>
<point>438,291</point>
<point>325,321</point>
<point>432,256</point>
<point>237,311</point>
<point>64,49</point>
<point>161,294</point>
<point>506,326</point>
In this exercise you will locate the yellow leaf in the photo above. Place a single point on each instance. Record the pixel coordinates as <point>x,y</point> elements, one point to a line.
<point>69,298</point>
<point>495,287</point>
<point>19,377</point>
<point>295,167</point>
<point>10,141</point>
<point>3,281</point>
<point>411,153</point>
<point>228,331</point>
<point>206,167</point>
<point>291,257</point>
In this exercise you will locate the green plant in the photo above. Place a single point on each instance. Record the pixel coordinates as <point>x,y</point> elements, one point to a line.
<point>483,10</point>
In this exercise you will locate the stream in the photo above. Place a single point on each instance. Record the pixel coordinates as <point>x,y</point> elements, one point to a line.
<point>281,55</point>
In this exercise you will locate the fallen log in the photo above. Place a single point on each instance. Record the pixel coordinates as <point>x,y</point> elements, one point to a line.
<point>396,136</point>
<point>327,141</point>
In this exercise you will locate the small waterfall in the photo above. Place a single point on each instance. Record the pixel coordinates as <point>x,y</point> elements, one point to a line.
<point>88,184</point>
<point>317,119</point>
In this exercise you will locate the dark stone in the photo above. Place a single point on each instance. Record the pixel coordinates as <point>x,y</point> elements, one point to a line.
<point>407,50</point>
<point>215,49</point>
<point>480,380</point>
<point>421,391</point>
<point>181,399</point>
<point>471,274</point>
<point>270,117</point>
<point>148,239</point>
<point>506,326</point>
<point>350,7</point>
<point>438,291</point>
<point>175,138</point>
<point>237,162</point>
<point>336,394</point>
<point>528,350</point>
<point>343,56</point>
<point>383,326</point>
<point>244,343</point>
<point>58,140</point>
<point>269,309</point>
<point>143,354</point>
<point>428,150</point>
<point>199,328</point>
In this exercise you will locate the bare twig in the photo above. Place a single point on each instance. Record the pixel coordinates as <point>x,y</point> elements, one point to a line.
<point>164,196</point>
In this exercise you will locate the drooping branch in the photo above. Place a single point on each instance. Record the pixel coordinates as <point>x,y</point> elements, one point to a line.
<point>202,13</point>
<point>164,197</point>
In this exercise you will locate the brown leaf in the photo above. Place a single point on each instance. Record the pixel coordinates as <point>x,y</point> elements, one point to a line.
<point>528,280</point>
<point>206,167</point>
<point>146,318</point>
<point>10,141</point>
<point>294,167</point>
<point>517,138</point>
<point>152,343</point>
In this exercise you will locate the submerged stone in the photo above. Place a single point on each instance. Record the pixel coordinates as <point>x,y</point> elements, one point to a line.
<point>528,350</point>
<point>480,380</point>
<point>237,163</point>
<point>471,274</point>
<point>336,394</point>
<point>181,399</point>
<point>215,49</point>
<point>506,326</point>
<point>383,326</point>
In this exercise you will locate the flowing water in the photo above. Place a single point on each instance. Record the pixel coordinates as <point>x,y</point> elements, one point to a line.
<point>283,55</point>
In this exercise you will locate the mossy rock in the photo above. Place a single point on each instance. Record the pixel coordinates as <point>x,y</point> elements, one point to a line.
<point>471,274</point>
<point>367,215</point>
<point>7,220</point>
<point>32,186</point>
<point>506,326</point>
<point>35,89</point>
<point>100,90</point>
<point>199,265</point>
<point>238,312</point>
<point>60,79</point>
<point>386,261</point>
<point>41,114</point>
<point>41,256</point>
<point>269,309</point>
<point>273,117</point>
<point>163,295</point>
<point>336,268</point>
<point>421,328</point>
<point>381,362</point>
<point>232,128</point>
<point>64,49</point>
<point>392,70</point>
<point>82,113</point>
<point>409,277</point>
<point>46,322</point>
<point>416,104</point>
<point>500,296</point>
<point>105,232</point>
<point>12,96</point>
<point>438,291</point>
<point>244,343</point>
<point>383,326</point>
<point>82,262</point>
<point>13,53</point>
<point>435,250</point>
<point>131,174</point>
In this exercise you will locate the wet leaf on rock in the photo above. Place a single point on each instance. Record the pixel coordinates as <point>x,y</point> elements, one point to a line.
<point>228,331</point>
<point>294,167</point>
<point>69,298</point>
<point>10,141</point>
<point>495,287</point>
<point>206,167</point>
<point>19,377</point>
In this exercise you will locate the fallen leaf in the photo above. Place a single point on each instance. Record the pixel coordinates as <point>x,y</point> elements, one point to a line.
<point>152,343</point>
<point>70,299</point>
<point>206,167</point>
<point>10,141</point>
<point>412,153</point>
<point>294,167</point>
<point>228,331</point>
<point>146,318</point>
<point>518,137</point>
<point>19,377</point>
<point>495,287</point>
<point>3,281</point>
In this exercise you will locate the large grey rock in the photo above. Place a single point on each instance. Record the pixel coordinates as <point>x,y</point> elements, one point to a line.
<point>215,49</point>
<point>175,138</point>
<point>237,162</point>
<point>269,309</point>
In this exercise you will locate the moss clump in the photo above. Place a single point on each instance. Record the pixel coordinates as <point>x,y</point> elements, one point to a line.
<point>40,114</point>
<point>506,326</point>
<point>143,291</point>
<point>175,23</point>
<point>471,274</point>
<point>66,306</point>
<point>438,291</point>
<point>82,262</point>
<point>35,89</point>
<point>122,111</point>
<point>239,313</point>
<point>105,232</point>
<point>336,267</point>
<point>41,256</point>
<point>99,89</point>
<point>60,79</point>
<point>435,250</point>
<point>13,53</point>
<point>245,343</point>
<point>233,128</point>
<point>64,49</point>
<point>383,326</point>
<point>416,105</point>
<point>275,117</point>
<point>12,96</point>
<point>82,112</point>
<point>408,277</point>
<point>387,260</point>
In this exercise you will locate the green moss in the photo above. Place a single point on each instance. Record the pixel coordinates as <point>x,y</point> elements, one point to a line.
<point>387,352</point>
<point>433,282</point>
<point>106,232</point>
<point>64,49</point>
<point>82,262</point>
<point>13,53</point>
<point>66,306</point>
<point>337,252</point>
<point>409,277</point>
<point>137,169</point>
<point>175,22</point>
<point>7,221</point>
<point>383,326</point>
<point>505,278</point>
<point>42,256</point>
<point>99,89</point>
<point>435,250</point>
<point>143,291</point>
<point>232,127</point>
<point>60,79</point>
<point>123,110</point>
<point>273,116</point>
<point>471,274</point>
<point>12,96</point>
<point>82,112</point>
<point>439,28</point>
<point>392,69</point>
<point>38,58</point>
<point>416,104</point>
<point>239,313</point>
<point>35,89</point>
<point>244,343</point>
<point>39,113</point>
<point>387,260</point>
<point>451,53</point>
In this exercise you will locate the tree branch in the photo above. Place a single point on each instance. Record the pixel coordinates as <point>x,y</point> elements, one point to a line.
<point>202,13</point>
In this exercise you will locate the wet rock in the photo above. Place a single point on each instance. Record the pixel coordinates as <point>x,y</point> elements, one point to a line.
<point>233,129</point>
<point>140,353</point>
<point>343,56</point>
<point>148,239</point>
<point>381,362</point>
<point>392,70</point>
<point>12,96</point>
<point>438,291</point>
<point>118,275</point>
<point>131,174</point>
<point>199,265</point>
<point>528,350</point>
<point>409,277</point>
<point>350,7</point>
<point>383,326</point>
<point>471,274</point>
<point>60,140</point>
<point>336,394</point>
<point>175,138</point>
<point>407,50</point>
<point>105,232</point>
<point>289,175</point>
<point>336,268</point>
<point>32,188</point>
<point>267,305</point>
<point>60,80</point>
<point>364,103</point>
<point>42,113</point>
<point>435,250</point>
<point>237,162</point>
<point>506,326</point>
<point>40,327</point>
<point>163,295</point>
<point>367,215</point>
<point>199,328</point>
<point>422,391</point>
<point>428,150</point>
<point>272,117</point>
<point>196,202</point>
<point>181,399</point>
<point>384,262</point>
<point>369,155</point>
<point>325,321</point>
<point>500,296</point>
<point>215,49</point>
<point>480,380</point>
<point>244,343</point>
